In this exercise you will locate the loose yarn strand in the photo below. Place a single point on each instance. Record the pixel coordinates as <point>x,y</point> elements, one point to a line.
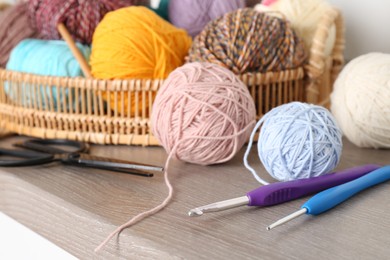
<point>163,204</point>
<point>147,213</point>
<point>248,149</point>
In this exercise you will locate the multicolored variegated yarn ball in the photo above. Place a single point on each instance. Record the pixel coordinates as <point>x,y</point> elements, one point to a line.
<point>79,17</point>
<point>249,41</point>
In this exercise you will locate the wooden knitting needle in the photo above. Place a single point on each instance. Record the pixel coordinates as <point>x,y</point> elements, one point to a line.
<point>76,52</point>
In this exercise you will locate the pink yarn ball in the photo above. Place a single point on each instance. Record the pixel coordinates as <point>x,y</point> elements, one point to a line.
<point>79,16</point>
<point>203,114</point>
<point>268,2</point>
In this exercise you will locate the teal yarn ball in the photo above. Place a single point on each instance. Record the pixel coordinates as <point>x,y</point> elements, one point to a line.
<point>40,57</point>
<point>160,7</point>
<point>297,141</point>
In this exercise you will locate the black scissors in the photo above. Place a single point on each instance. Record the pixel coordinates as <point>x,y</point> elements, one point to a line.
<point>41,151</point>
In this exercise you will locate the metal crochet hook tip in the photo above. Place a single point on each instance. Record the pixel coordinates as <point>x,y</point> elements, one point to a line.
<point>195,212</point>
<point>218,206</point>
<point>287,218</point>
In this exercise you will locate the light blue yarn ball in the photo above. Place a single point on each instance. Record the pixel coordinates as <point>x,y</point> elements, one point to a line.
<point>299,140</point>
<point>49,58</point>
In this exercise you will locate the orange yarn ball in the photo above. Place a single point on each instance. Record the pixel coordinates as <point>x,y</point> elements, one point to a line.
<point>135,43</point>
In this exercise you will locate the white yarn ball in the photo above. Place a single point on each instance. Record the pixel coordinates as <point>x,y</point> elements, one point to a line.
<point>304,15</point>
<point>360,100</point>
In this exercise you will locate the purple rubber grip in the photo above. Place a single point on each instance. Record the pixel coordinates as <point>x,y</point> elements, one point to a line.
<point>280,192</point>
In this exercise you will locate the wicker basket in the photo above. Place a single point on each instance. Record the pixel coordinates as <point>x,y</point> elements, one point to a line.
<point>83,115</point>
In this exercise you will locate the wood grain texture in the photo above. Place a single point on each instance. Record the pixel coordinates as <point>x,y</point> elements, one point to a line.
<point>76,208</point>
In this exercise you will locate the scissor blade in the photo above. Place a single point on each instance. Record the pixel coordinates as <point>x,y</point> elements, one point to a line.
<point>107,163</point>
<point>128,171</point>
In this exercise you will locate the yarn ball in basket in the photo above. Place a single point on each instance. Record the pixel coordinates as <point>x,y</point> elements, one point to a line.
<point>135,43</point>
<point>14,27</point>
<point>79,17</point>
<point>249,41</point>
<point>41,57</point>
<point>160,7</point>
<point>305,17</point>
<point>194,15</point>
<point>360,100</point>
<point>203,114</point>
<point>299,140</point>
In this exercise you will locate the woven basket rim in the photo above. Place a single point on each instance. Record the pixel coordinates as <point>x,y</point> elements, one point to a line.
<point>269,76</point>
<point>4,70</point>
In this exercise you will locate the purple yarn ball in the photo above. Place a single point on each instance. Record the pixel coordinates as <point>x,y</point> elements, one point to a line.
<point>193,15</point>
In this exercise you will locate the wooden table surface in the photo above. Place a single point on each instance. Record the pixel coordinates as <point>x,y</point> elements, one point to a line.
<point>76,208</point>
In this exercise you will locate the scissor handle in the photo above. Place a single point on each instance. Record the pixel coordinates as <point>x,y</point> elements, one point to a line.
<point>28,158</point>
<point>43,145</point>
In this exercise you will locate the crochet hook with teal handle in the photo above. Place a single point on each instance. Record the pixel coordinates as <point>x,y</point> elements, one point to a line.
<point>330,198</point>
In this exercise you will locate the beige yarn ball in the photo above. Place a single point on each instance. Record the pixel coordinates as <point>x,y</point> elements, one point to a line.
<point>304,15</point>
<point>360,100</point>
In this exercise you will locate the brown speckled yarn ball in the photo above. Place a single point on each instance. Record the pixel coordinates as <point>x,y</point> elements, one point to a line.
<point>249,41</point>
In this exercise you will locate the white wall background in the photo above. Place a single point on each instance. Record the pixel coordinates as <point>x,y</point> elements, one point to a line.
<point>367,26</point>
<point>8,1</point>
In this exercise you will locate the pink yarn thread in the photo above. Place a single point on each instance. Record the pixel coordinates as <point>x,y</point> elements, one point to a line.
<point>144,214</point>
<point>202,114</point>
<point>268,2</point>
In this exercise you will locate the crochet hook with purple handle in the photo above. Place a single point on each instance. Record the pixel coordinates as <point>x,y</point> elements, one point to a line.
<point>280,192</point>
